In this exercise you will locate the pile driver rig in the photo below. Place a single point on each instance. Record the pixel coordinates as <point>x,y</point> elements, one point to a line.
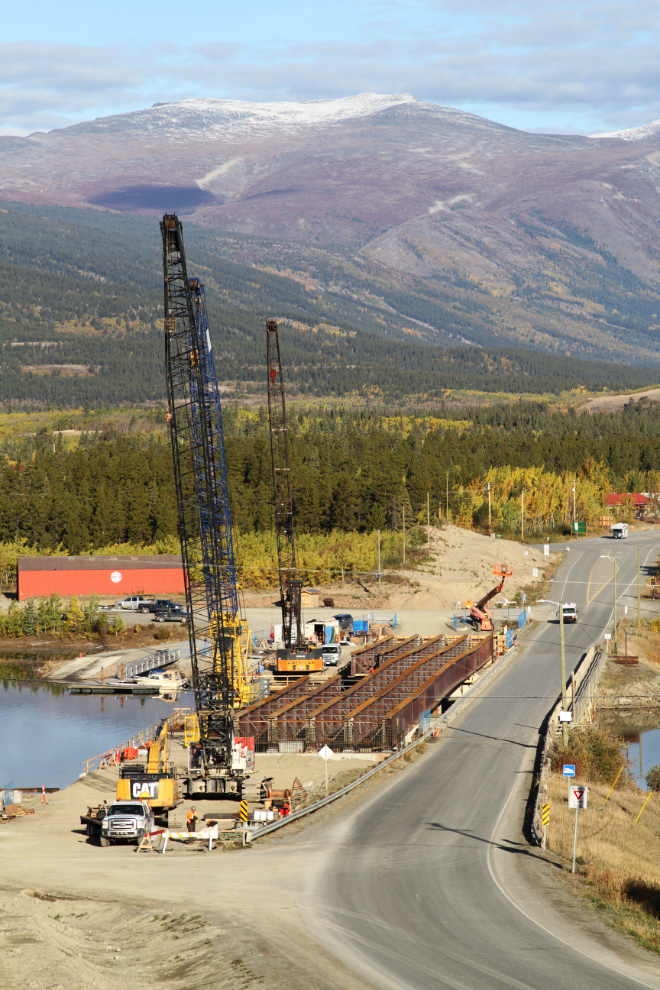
<point>290,583</point>
<point>217,764</point>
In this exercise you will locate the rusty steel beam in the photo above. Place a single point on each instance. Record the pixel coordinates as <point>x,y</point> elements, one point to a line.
<point>386,718</point>
<point>373,656</point>
<point>252,720</point>
<point>373,683</point>
<point>331,716</point>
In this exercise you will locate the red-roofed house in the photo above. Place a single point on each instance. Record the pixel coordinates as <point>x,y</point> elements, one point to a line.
<point>642,504</point>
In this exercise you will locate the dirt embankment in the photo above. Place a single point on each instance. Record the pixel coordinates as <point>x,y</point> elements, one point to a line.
<point>632,687</point>
<point>617,856</point>
<point>458,568</point>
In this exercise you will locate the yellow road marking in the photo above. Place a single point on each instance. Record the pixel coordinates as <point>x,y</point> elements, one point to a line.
<point>590,597</point>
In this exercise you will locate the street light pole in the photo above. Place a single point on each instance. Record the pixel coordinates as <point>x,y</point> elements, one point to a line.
<point>614,644</point>
<point>639,599</point>
<point>563,671</point>
<point>488,488</point>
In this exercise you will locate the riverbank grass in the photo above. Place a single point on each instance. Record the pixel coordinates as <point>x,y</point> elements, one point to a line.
<point>618,859</point>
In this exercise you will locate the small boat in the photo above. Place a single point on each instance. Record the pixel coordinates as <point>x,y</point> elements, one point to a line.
<point>170,681</point>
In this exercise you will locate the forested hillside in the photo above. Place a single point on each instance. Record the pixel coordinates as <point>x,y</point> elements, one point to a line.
<point>351,472</point>
<point>81,308</point>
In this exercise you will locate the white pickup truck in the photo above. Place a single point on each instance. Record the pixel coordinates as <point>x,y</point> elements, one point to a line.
<point>126,821</point>
<point>136,603</point>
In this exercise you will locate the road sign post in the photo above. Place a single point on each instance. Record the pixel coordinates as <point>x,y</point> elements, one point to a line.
<point>577,798</point>
<point>326,753</point>
<point>545,820</point>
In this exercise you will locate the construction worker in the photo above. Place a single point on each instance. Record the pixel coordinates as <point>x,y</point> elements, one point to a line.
<point>192,819</point>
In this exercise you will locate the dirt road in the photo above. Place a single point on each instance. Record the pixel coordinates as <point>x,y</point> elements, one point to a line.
<point>78,916</point>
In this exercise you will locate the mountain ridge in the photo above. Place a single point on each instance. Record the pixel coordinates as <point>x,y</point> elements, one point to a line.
<point>557,233</point>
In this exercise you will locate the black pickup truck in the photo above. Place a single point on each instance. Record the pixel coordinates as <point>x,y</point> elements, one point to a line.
<point>159,605</point>
<point>176,613</point>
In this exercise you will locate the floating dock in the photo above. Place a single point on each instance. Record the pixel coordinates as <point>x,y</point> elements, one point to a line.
<point>111,686</point>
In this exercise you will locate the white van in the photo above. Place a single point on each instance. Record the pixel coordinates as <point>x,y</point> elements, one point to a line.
<point>619,531</point>
<point>331,654</point>
<point>570,612</point>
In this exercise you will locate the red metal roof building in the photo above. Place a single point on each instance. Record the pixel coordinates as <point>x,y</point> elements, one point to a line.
<point>642,503</point>
<point>39,577</point>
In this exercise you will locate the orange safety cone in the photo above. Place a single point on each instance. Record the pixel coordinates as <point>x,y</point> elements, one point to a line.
<point>43,791</point>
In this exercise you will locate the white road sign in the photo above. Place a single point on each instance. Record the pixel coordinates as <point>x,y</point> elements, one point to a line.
<point>577,796</point>
<point>326,753</point>
<point>546,549</point>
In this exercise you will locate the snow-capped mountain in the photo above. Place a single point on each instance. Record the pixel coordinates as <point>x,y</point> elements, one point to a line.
<point>647,132</point>
<point>419,187</point>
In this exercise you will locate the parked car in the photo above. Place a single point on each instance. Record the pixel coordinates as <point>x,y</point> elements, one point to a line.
<point>177,614</point>
<point>126,821</point>
<point>331,654</point>
<point>159,605</point>
<point>136,603</point>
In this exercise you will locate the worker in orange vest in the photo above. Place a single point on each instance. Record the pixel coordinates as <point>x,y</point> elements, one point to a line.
<point>192,819</point>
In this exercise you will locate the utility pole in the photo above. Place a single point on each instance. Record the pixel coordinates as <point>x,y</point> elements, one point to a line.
<point>562,650</point>
<point>379,562</point>
<point>614,643</point>
<point>639,602</point>
<point>574,517</point>
<point>403,509</point>
<point>522,516</point>
<point>447,496</point>
<point>488,488</point>
<point>428,520</point>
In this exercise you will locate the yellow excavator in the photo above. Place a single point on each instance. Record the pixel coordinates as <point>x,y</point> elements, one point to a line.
<point>157,784</point>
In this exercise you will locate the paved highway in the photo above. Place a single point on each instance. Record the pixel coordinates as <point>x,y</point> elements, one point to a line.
<point>431,884</point>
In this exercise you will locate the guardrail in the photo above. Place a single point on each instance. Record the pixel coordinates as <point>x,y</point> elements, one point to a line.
<point>583,686</point>
<point>112,756</point>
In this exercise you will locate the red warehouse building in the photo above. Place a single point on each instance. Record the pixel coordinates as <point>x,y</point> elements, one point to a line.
<point>39,577</point>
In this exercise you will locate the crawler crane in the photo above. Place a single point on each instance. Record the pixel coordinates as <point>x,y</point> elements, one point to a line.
<point>217,763</point>
<point>295,655</point>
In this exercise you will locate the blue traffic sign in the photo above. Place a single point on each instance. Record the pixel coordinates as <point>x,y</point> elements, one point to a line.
<point>569,770</point>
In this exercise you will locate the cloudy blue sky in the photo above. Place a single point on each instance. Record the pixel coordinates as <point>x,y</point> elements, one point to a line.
<point>582,66</point>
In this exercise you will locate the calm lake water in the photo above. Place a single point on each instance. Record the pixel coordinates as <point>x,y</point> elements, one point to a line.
<point>46,736</point>
<point>642,746</point>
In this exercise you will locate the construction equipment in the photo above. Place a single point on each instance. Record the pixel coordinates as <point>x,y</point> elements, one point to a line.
<point>480,615</point>
<point>235,623</point>
<point>158,750</point>
<point>290,584</point>
<point>215,765</point>
<point>156,783</point>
